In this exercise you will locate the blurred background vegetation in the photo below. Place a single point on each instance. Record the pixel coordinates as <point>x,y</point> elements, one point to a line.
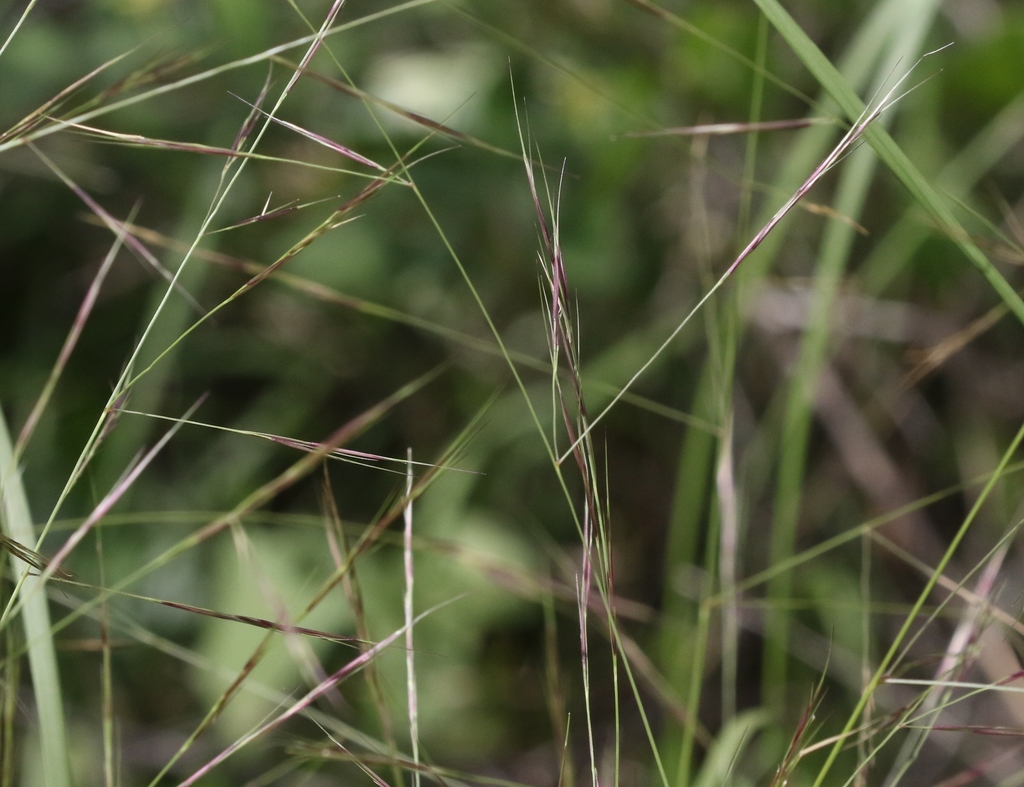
<point>919,387</point>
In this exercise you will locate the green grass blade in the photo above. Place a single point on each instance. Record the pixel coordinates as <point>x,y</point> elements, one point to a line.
<point>42,658</point>
<point>887,149</point>
<point>957,178</point>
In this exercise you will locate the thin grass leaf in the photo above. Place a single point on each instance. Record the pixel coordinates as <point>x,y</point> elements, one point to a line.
<point>106,677</point>
<point>728,747</point>
<point>361,458</point>
<point>17,25</point>
<point>17,525</point>
<point>11,675</point>
<point>354,595</point>
<point>246,620</point>
<point>889,151</point>
<point>555,695</point>
<point>230,154</point>
<point>320,139</point>
<point>412,695</point>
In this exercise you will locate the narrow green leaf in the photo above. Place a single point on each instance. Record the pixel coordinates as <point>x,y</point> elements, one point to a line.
<point>42,659</point>
<point>887,149</point>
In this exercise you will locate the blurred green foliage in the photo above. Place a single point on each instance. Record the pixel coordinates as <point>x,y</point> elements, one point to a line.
<point>646,225</point>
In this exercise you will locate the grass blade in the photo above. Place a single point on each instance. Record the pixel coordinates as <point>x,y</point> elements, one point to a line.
<point>42,659</point>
